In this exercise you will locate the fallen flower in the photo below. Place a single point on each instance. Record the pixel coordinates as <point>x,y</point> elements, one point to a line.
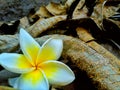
<point>37,65</point>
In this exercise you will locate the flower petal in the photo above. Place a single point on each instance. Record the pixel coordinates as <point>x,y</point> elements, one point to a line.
<point>13,81</point>
<point>51,50</point>
<point>16,63</point>
<point>29,46</point>
<point>57,72</point>
<point>35,80</point>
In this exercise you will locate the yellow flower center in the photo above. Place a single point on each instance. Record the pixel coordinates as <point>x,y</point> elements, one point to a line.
<point>36,66</point>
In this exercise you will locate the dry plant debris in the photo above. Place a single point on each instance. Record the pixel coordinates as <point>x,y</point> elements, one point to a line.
<point>95,67</point>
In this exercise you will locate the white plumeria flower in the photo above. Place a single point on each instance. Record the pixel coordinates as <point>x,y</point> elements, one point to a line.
<point>37,65</point>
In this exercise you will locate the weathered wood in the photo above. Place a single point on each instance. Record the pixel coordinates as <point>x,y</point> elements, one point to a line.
<point>98,67</point>
<point>86,36</point>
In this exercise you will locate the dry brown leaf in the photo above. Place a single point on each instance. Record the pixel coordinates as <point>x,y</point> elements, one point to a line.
<point>86,36</point>
<point>24,22</point>
<point>80,13</point>
<point>102,11</point>
<point>56,9</point>
<point>43,12</point>
<point>43,25</point>
<point>68,3</point>
<point>59,9</point>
